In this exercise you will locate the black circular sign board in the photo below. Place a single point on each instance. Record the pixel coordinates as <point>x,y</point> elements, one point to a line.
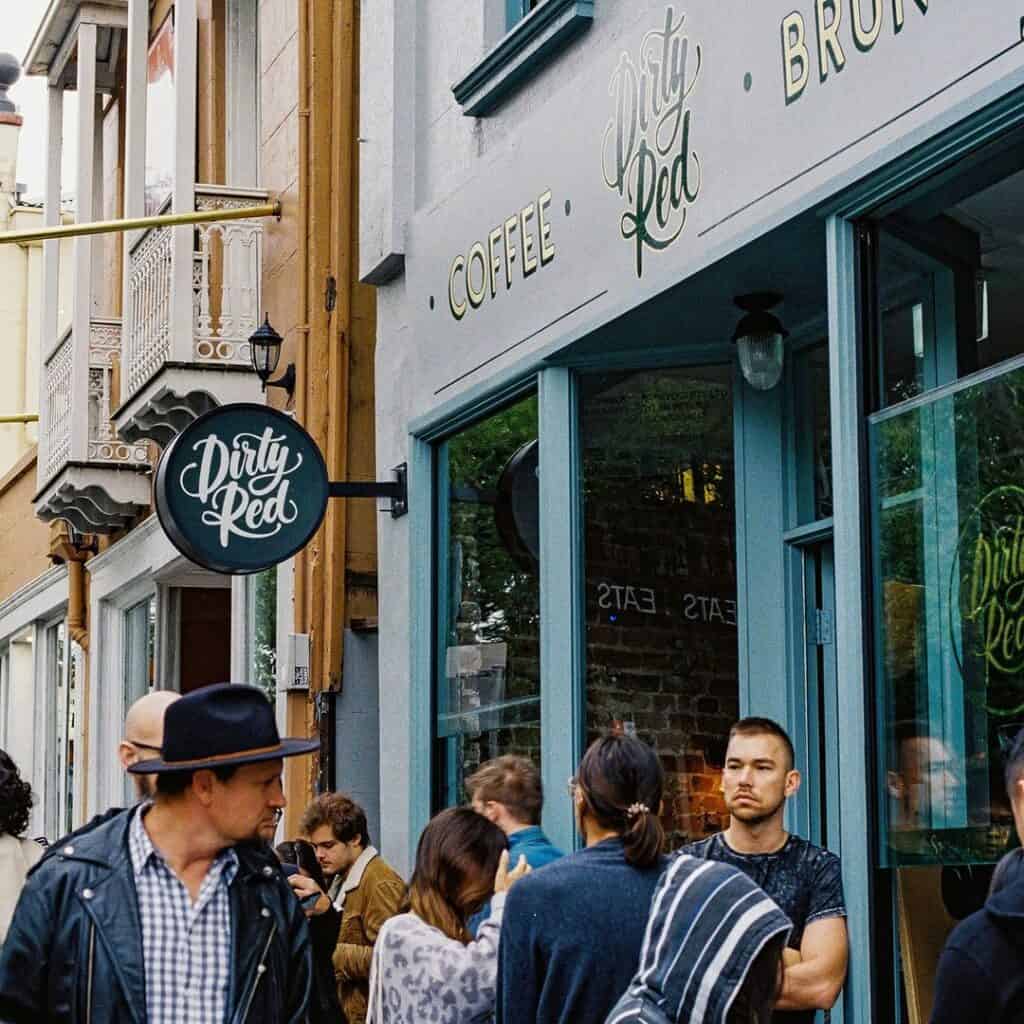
<point>241,488</point>
<point>517,508</point>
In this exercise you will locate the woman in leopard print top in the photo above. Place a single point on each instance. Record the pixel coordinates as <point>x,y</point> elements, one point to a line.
<point>425,965</point>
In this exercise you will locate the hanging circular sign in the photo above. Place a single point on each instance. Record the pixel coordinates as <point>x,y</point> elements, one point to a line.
<point>241,488</point>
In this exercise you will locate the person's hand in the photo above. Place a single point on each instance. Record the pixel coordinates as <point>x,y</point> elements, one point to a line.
<point>505,879</point>
<point>791,957</point>
<point>303,887</point>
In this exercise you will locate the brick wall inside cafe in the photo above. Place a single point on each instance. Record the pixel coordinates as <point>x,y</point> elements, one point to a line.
<point>662,654</point>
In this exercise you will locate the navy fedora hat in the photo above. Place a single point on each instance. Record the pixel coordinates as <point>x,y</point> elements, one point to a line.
<point>219,726</point>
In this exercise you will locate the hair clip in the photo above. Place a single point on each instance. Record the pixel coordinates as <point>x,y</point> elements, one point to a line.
<point>635,810</point>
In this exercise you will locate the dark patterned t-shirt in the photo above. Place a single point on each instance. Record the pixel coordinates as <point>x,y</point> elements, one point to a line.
<point>804,880</point>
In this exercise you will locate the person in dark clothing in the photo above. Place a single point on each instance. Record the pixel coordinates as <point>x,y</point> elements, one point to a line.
<point>324,1007</point>
<point>712,953</point>
<point>980,976</point>
<point>574,929</point>
<point>803,879</point>
<point>174,910</point>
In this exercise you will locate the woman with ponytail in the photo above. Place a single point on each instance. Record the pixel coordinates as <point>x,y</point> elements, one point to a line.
<point>574,929</point>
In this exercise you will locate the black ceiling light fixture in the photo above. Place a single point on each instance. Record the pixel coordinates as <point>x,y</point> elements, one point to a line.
<point>760,340</point>
<point>265,351</point>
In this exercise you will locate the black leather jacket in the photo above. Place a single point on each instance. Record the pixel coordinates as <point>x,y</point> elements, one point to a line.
<point>73,954</point>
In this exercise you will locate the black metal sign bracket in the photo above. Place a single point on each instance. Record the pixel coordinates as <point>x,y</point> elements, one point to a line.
<point>395,489</point>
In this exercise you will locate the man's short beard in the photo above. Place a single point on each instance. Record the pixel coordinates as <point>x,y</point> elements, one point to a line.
<point>760,818</point>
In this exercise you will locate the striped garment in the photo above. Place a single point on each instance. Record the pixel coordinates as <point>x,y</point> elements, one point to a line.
<point>186,947</point>
<point>708,921</point>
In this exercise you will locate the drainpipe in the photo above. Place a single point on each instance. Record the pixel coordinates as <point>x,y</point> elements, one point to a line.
<point>302,331</point>
<point>77,629</point>
<point>297,780</point>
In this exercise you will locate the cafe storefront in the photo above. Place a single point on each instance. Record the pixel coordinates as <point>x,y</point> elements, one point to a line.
<point>709,375</point>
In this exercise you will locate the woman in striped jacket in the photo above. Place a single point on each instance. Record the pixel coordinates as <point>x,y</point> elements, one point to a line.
<point>712,952</point>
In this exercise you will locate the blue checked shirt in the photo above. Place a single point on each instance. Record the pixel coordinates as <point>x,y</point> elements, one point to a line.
<point>186,946</point>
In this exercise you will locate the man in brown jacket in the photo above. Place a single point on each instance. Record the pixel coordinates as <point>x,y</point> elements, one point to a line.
<point>365,890</point>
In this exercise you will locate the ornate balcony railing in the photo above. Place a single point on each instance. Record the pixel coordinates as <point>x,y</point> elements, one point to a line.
<point>231,251</point>
<point>225,283</point>
<point>148,323</point>
<point>104,444</point>
<point>62,398</point>
<point>57,422</point>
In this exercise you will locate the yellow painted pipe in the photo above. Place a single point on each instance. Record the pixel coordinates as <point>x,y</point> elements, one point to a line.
<point>103,227</point>
<point>21,417</point>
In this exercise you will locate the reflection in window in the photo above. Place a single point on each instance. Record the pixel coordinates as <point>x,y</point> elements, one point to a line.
<point>263,627</point>
<point>949,526</point>
<point>813,433</point>
<point>488,694</point>
<point>660,576</point>
<point>949,274</point>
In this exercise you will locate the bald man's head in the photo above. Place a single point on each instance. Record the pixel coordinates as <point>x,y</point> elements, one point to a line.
<point>144,735</point>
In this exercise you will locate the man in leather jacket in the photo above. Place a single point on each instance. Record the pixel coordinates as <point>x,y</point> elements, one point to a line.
<point>174,910</point>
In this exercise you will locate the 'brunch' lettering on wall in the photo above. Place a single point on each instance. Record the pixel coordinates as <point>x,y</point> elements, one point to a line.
<point>523,238</point>
<point>835,20</point>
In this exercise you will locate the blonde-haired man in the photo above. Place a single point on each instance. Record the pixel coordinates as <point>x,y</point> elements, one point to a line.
<point>508,792</point>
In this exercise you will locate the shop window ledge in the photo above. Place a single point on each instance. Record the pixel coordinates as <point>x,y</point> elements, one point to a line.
<point>522,53</point>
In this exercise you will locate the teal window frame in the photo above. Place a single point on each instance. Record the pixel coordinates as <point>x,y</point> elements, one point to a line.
<point>515,11</point>
<point>533,40</point>
<point>561,595</point>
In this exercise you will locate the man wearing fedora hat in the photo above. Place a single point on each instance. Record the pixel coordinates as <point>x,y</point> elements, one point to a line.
<point>175,910</point>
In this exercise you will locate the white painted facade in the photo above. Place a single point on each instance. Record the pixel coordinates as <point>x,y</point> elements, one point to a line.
<point>435,181</point>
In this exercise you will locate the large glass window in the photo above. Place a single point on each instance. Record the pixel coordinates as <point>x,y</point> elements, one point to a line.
<point>139,660</point>
<point>488,692</point>
<point>139,650</point>
<point>948,543</point>
<point>62,675</point>
<point>660,576</point>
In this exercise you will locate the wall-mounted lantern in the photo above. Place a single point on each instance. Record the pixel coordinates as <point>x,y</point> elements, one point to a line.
<point>265,348</point>
<point>760,340</point>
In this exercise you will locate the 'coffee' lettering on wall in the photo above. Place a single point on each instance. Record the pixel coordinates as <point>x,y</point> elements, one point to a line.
<point>523,237</point>
<point>829,20</point>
